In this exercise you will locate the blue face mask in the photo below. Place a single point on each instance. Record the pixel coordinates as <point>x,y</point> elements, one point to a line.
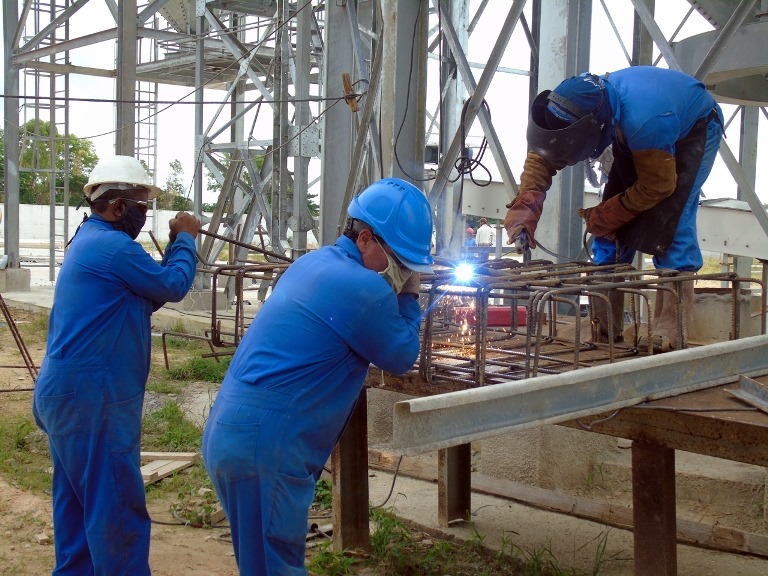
<point>132,221</point>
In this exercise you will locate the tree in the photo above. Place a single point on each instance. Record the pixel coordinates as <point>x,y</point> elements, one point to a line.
<point>174,197</point>
<point>35,164</point>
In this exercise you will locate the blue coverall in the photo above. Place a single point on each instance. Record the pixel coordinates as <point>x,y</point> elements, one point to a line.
<point>654,108</point>
<point>90,390</point>
<point>289,391</point>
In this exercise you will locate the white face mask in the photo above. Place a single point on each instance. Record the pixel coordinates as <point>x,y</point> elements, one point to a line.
<point>393,274</point>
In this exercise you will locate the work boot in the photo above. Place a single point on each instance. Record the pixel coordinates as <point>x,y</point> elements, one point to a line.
<point>599,318</point>
<point>665,327</point>
<point>594,327</point>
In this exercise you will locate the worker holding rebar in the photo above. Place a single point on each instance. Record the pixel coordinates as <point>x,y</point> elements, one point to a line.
<point>665,130</point>
<point>298,372</point>
<point>90,390</point>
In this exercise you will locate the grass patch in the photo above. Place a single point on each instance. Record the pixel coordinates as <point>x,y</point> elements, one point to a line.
<point>25,461</point>
<point>398,549</point>
<point>167,430</point>
<point>197,368</point>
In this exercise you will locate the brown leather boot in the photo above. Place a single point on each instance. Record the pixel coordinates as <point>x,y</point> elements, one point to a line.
<point>668,321</point>
<point>595,327</point>
<point>605,329</point>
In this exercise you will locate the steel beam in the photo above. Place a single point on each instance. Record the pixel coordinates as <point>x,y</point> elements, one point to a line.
<point>430,423</point>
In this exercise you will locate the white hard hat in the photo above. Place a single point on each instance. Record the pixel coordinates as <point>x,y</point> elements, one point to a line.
<point>123,171</point>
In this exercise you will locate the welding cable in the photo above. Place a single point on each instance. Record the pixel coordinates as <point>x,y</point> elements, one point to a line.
<point>554,254</point>
<point>598,421</point>
<point>392,487</point>
<point>676,409</point>
<point>666,409</point>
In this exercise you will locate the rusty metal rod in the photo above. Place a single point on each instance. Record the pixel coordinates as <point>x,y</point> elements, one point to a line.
<point>248,246</point>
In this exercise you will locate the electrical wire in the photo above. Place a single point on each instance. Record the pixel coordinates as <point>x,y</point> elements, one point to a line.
<point>392,486</point>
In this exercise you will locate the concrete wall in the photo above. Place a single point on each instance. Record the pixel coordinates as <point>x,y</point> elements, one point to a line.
<point>34,223</point>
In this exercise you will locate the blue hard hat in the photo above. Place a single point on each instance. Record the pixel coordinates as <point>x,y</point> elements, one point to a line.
<point>400,214</point>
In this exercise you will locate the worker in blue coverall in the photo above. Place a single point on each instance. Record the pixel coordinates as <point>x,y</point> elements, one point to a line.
<point>90,390</point>
<point>297,374</point>
<point>665,130</point>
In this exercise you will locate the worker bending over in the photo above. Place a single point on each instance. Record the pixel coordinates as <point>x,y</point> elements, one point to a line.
<point>297,374</point>
<point>665,129</point>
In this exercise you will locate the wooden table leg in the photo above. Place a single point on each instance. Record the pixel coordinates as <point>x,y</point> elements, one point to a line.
<point>349,464</point>
<point>653,501</point>
<point>454,484</point>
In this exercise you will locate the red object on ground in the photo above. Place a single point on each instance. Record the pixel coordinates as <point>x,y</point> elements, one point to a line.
<point>497,315</point>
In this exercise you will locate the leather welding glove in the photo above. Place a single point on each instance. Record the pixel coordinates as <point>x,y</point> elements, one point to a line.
<point>656,180</point>
<point>607,217</point>
<point>412,285</point>
<point>523,215</point>
<point>525,210</point>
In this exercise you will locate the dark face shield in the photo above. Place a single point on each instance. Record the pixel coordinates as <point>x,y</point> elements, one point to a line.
<point>561,146</point>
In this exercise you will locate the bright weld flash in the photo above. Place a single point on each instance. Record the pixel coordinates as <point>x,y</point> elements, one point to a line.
<point>464,272</point>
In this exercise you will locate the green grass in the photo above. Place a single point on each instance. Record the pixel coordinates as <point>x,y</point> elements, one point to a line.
<point>397,549</point>
<point>200,369</point>
<point>167,430</point>
<point>24,458</point>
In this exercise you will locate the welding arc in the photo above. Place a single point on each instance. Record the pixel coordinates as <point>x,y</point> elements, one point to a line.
<point>244,245</point>
<point>349,92</point>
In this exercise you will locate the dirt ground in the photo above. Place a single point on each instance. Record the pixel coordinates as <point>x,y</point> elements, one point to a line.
<point>26,526</point>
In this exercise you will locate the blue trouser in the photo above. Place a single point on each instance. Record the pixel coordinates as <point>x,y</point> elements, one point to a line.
<point>684,253</point>
<point>245,451</point>
<point>100,520</point>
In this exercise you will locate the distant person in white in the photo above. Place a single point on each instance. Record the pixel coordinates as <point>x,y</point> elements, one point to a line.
<point>485,235</point>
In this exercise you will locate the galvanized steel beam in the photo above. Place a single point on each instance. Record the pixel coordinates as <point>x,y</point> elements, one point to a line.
<point>434,422</point>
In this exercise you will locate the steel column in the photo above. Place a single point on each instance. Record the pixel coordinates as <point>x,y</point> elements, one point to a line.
<point>337,122</point>
<point>126,80</point>
<point>454,484</point>
<point>11,31</point>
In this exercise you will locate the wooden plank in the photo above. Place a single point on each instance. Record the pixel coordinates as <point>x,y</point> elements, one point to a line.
<point>350,482</point>
<point>168,455</point>
<point>159,469</point>
<point>709,422</point>
<point>688,532</point>
<point>653,502</point>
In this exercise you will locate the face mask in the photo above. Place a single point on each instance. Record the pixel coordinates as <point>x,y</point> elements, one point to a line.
<point>132,222</point>
<point>393,274</point>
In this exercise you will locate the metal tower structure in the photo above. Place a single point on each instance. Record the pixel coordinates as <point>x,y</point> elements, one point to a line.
<point>309,99</point>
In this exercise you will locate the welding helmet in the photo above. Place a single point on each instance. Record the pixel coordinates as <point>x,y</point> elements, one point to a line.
<point>119,172</point>
<point>570,123</point>
<point>400,214</point>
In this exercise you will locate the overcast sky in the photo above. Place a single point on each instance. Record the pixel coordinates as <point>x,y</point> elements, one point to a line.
<point>507,96</point>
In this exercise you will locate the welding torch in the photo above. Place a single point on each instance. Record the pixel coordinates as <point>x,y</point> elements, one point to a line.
<point>521,243</point>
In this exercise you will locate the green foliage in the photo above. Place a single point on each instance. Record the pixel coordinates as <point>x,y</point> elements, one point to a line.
<point>35,163</point>
<point>175,195</point>
<point>200,369</point>
<point>168,430</point>
<point>329,563</point>
<point>323,494</point>
<point>24,458</point>
<point>195,506</point>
